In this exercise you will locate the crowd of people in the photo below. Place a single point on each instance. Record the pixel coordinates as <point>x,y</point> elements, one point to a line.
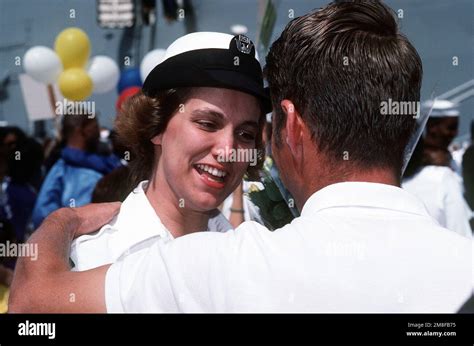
<point>340,160</point>
<point>39,176</point>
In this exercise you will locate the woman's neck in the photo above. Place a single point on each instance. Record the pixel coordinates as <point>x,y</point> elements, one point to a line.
<point>172,211</point>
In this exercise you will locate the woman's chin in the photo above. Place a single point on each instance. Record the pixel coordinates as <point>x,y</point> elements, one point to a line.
<point>207,201</point>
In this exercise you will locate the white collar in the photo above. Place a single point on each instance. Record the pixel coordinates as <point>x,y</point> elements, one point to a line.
<point>363,194</point>
<point>137,221</point>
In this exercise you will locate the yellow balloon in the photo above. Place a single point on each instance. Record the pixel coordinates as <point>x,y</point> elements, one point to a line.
<point>73,47</point>
<point>75,84</point>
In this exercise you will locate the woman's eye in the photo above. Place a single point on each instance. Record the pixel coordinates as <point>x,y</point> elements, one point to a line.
<point>247,136</point>
<point>207,125</point>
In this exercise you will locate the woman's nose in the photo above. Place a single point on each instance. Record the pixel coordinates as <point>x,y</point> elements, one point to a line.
<point>224,146</point>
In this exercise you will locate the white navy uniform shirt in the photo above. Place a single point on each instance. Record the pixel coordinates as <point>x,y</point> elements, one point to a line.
<point>134,227</point>
<point>456,162</point>
<point>439,189</point>
<point>357,247</point>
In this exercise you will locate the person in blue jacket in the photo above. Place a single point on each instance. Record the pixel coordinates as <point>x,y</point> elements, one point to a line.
<point>72,179</point>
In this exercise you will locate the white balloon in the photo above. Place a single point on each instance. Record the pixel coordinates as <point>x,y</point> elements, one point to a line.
<point>149,62</point>
<point>104,73</point>
<point>42,64</point>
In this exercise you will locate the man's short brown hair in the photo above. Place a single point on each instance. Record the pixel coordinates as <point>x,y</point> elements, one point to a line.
<point>337,65</point>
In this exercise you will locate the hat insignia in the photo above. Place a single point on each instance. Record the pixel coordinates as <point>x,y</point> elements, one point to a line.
<point>244,44</point>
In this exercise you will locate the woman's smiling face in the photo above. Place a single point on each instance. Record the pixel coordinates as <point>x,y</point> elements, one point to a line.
<point>199,161</point>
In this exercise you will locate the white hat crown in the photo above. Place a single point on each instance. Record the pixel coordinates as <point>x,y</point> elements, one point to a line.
<point>442,108</point>
<point>198,40</point>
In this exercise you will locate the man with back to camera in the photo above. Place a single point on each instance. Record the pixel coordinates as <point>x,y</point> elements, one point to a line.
<point>361,244</point>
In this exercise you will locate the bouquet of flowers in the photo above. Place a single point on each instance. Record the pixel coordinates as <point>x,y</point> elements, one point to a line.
<point>276,205</point>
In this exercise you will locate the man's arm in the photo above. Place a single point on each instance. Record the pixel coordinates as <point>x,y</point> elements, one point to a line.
<point>46,284</point>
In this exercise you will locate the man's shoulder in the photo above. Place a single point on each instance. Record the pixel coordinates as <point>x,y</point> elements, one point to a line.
<point>58,166</point>
<point>437,241</point>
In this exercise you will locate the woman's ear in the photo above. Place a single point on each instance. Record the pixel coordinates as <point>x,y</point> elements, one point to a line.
<point>157,139</point>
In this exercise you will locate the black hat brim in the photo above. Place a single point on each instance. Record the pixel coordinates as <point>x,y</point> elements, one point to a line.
<point>190,72</point>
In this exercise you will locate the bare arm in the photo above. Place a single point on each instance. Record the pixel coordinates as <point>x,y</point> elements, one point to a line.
<point>237,207</point>
<point>47,284</point>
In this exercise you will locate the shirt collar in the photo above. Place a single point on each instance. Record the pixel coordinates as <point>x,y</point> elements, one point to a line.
<point>137,220</point>
<point>364,194</point>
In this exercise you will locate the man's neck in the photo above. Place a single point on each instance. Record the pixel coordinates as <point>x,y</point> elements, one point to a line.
<point>375,175</point>
<point>178,220</point>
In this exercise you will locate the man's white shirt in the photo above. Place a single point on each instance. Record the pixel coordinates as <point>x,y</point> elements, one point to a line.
<point>357,247</point>
<point>134,228</point>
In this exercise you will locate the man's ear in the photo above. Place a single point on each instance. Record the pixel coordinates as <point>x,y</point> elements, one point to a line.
<point>157,139</point>
<point>294,129</point>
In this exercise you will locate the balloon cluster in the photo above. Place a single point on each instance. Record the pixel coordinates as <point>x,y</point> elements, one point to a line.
<point>69,65</point>
<point>77,75</point>
<point>132,79</point>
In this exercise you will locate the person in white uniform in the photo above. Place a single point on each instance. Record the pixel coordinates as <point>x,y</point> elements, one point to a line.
<point>198,183</point>
<point>439,189</point>
<point>361,244</point>
<point>441,129</point>
<point>441,192</point>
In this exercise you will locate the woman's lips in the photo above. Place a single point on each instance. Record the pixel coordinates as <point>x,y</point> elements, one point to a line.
<point>210,179</point>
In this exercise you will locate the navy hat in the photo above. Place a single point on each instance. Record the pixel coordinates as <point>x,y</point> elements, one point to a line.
<point>210,59</point>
